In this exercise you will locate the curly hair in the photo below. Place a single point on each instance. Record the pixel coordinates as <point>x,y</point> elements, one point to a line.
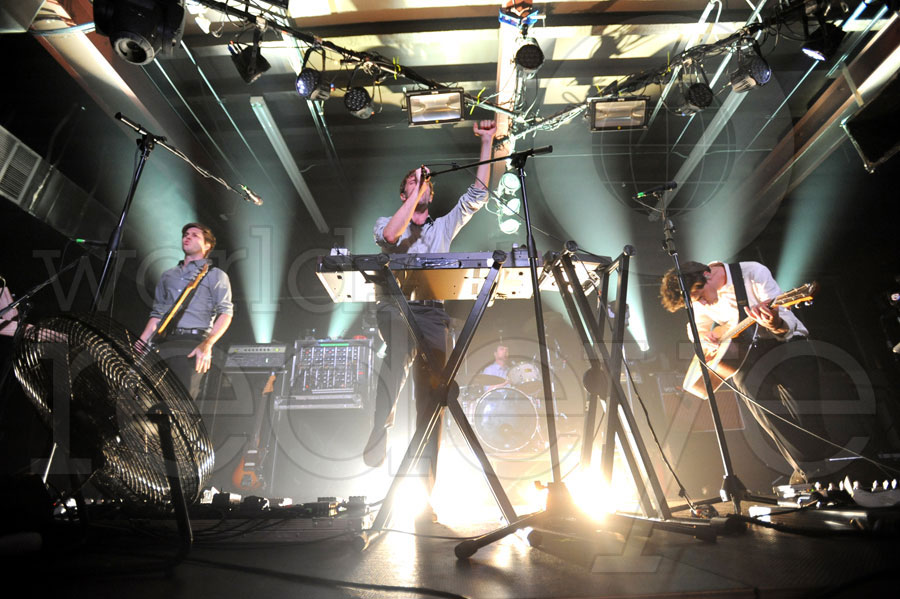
<point>670,290</point>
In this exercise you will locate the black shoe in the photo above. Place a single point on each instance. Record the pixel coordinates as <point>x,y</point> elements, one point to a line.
<point>376,448</point>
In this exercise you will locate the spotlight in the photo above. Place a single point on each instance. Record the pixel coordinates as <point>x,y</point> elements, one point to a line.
<point>359,102</point>
<point>752,69</point>
<point>249,62</point>
<point>434,107</point>
<point>139,29</point>
<point>618,114</point>
<point>824,42</point>
<point>697,96</point>
<point>507,218</point>
<point>509,183</point>
<point>529,57</point>
<point>310,86</point>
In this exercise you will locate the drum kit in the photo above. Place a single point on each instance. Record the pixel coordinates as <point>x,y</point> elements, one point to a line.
<point>506,414</point>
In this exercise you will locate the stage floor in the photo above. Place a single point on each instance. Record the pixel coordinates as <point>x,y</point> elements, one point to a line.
<point>240,557</point>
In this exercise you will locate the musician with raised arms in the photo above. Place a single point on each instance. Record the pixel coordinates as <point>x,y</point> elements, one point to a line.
<point>412,230</point>
<point>790,373</point>
<point>193,301</point>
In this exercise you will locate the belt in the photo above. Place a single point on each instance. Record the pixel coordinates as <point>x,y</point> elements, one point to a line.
<point>198,332</point>
<point>429,303</point>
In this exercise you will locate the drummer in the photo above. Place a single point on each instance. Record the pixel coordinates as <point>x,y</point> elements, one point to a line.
<point>499,367</point>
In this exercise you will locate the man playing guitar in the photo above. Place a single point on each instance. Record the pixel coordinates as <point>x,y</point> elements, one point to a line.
<point>790,378</point>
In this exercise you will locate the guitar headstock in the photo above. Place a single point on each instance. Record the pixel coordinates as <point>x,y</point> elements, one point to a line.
<point>802,294</point>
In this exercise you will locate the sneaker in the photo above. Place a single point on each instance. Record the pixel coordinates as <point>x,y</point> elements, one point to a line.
<point>376,448</point>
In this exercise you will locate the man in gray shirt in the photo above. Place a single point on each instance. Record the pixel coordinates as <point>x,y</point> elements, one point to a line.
<point>412,230</point>
<point>187,348</point>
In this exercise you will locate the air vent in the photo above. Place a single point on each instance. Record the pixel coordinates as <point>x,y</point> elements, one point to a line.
<point>17,166</point>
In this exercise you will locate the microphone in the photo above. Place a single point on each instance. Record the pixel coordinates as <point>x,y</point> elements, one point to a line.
<point>250,196</point>
<point>90,242</point>
<point>669,186</point>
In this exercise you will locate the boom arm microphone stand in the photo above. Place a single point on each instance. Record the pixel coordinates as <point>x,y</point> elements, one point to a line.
<point>146,143</point>
<point>517,161</point>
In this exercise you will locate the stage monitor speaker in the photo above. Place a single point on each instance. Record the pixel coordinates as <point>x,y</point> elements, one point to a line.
<point>875,129</point>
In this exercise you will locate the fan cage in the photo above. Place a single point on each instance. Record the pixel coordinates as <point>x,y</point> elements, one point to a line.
<point>110,385</point>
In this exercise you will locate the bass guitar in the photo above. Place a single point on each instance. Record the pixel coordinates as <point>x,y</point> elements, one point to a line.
<point>727,357</point>
<point>248,475</point>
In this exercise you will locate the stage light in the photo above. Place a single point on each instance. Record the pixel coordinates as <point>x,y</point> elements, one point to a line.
<point>696,97</point>
<point>434,107</point>
<point>529,57</point>
<point>824,42</point>
<point>508,217</point>
<point>509,182</point>
<point>359,102</point>
<point>618,114</point>
<point>752,68</point>
<point>139,30</point>
<point>309,85</point>
<point>249,61</point>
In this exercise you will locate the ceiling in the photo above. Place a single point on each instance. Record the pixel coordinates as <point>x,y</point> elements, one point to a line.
<point>734,163</point>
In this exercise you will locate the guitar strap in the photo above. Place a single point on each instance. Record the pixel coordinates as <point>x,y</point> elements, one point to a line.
<point>181,304</point>
<point>740,292</point>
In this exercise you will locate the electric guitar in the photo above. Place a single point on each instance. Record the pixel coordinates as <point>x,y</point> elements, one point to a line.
<point>726,358</point>
<point>248,475</point>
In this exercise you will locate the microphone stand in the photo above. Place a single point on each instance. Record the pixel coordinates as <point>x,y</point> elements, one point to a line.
<point>732,488</point>
<point>146,143</point>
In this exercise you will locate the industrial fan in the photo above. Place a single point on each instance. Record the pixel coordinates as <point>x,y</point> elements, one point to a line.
<point>117,403</point>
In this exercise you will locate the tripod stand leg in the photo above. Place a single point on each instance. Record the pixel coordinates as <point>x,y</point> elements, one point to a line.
<point>469,547</point>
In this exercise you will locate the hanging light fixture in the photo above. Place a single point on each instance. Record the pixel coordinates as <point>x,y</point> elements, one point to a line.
<point>508,217</point>
<point>529,57</point>
<point>309,81</point>
<point>618,114</point>
<point>823,42</point>
<point>140,29</point>
<point>696,93</point>
<point>358,101</point>
<point>752,69</point>
<point>434,106</point>
<point>249,61</point>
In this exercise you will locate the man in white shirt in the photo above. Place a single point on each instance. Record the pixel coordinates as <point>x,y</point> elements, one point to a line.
<point>792,379</point>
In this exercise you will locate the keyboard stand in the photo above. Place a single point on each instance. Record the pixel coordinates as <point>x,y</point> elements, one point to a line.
<point>447,392</point>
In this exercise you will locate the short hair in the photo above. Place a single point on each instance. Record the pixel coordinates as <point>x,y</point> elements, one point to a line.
<point>670,290</point>
<point>207,234</point>
<point>412,174</point>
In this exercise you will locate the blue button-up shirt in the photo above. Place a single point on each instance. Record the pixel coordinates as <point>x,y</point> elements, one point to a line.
<point>212,297</point>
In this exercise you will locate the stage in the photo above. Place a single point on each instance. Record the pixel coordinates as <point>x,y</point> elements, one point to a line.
<point>272,558</point>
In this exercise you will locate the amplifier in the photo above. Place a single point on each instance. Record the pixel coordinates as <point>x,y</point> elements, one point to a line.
<point>327,373</point>
<point>261,357</point>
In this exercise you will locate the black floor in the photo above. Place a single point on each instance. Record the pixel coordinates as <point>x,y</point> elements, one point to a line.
<point>252,557</point>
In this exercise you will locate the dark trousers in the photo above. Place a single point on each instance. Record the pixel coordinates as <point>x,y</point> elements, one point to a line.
<point>785,378</point>
<point>403,354</point>
<point>174,350</point>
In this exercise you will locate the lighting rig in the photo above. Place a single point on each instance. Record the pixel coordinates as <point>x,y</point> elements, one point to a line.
<point>138,40</point>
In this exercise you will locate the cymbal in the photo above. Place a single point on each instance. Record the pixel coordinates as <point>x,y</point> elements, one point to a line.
<point>486,379</point>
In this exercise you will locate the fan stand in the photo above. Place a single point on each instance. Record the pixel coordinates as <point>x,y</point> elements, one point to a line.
<point>162,418</point>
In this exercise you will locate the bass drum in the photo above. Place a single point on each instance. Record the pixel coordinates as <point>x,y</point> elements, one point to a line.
<point>526,377</point>
<point>505,419</point>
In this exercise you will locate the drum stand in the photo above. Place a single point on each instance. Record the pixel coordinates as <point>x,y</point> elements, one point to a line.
<point>562,517</point>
